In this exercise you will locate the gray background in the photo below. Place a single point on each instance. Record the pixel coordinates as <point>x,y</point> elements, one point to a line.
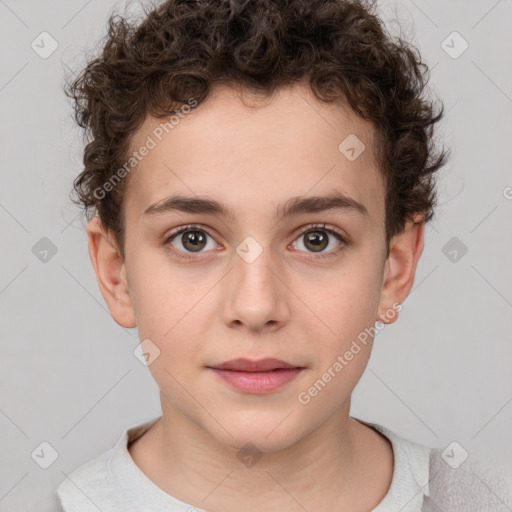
<point>68,376</point>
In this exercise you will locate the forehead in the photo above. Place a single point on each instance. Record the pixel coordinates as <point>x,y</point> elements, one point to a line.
<point>249,153</point>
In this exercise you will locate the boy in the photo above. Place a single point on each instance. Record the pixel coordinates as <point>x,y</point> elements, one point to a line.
<point>261,174</point>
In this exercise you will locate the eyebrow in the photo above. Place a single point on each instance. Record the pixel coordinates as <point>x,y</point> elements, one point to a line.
<point>294,206</point>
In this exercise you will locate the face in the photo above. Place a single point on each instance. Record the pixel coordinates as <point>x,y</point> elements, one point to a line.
<point>258,269</point>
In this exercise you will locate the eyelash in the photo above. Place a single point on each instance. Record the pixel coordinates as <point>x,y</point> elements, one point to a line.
<point>313,227</point>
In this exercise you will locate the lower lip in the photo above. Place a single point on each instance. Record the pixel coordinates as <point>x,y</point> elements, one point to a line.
<point>258,382</point>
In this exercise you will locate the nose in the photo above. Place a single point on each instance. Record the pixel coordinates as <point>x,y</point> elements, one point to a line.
<point>256,295</point>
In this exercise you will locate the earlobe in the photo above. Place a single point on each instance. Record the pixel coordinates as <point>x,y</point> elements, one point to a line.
<point>400,268</point>
<point>110,273</point>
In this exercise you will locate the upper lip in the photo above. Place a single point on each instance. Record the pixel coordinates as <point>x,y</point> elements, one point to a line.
<point>246,365</point>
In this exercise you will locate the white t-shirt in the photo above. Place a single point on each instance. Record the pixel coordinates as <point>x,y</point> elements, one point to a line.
<point>112,482</point>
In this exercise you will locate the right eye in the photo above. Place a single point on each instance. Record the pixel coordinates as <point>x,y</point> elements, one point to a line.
<point>193,239</point>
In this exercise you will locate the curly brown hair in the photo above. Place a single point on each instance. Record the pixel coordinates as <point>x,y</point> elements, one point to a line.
<point>181,48</point>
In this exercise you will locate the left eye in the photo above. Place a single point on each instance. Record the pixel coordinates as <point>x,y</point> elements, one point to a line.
<point>317,239</point>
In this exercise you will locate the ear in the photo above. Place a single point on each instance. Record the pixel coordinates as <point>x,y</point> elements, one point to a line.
<point>400,268</point>
<point>110,273</point>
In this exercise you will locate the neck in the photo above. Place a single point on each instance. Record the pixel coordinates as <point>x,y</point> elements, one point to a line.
<point>329,466</point>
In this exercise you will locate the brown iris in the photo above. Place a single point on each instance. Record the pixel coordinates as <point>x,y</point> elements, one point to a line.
<point>193,240</point>
<point>317,239</point>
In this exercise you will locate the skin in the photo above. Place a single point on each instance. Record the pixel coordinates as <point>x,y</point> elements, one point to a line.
<point>288,303</point>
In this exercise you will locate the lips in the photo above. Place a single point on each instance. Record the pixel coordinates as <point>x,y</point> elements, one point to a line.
<point>255,377</point>
<point>246,365</point>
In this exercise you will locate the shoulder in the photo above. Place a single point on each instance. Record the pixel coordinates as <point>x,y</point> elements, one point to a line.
<point>89,487</point>
<point>472,483</point>
<point>433,480</point>
<point>94,485</point>
<point>410,458</point>
<point>410,473</point>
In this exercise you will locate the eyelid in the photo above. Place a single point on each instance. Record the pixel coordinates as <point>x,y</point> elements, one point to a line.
<point>325,227</point>
<point>182,229</point>
<point>187,227</point>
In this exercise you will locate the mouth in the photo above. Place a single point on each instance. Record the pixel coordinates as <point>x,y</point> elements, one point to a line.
<point>263,376</point>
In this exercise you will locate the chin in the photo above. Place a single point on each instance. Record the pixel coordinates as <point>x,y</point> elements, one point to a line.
<point>268,435</point>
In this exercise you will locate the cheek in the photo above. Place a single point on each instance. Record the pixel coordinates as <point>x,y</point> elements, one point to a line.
<point>343,341</point>
<point>341,306</point>
<point>175,328</point>
<point>173,320</point>
<point>161,294</point>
